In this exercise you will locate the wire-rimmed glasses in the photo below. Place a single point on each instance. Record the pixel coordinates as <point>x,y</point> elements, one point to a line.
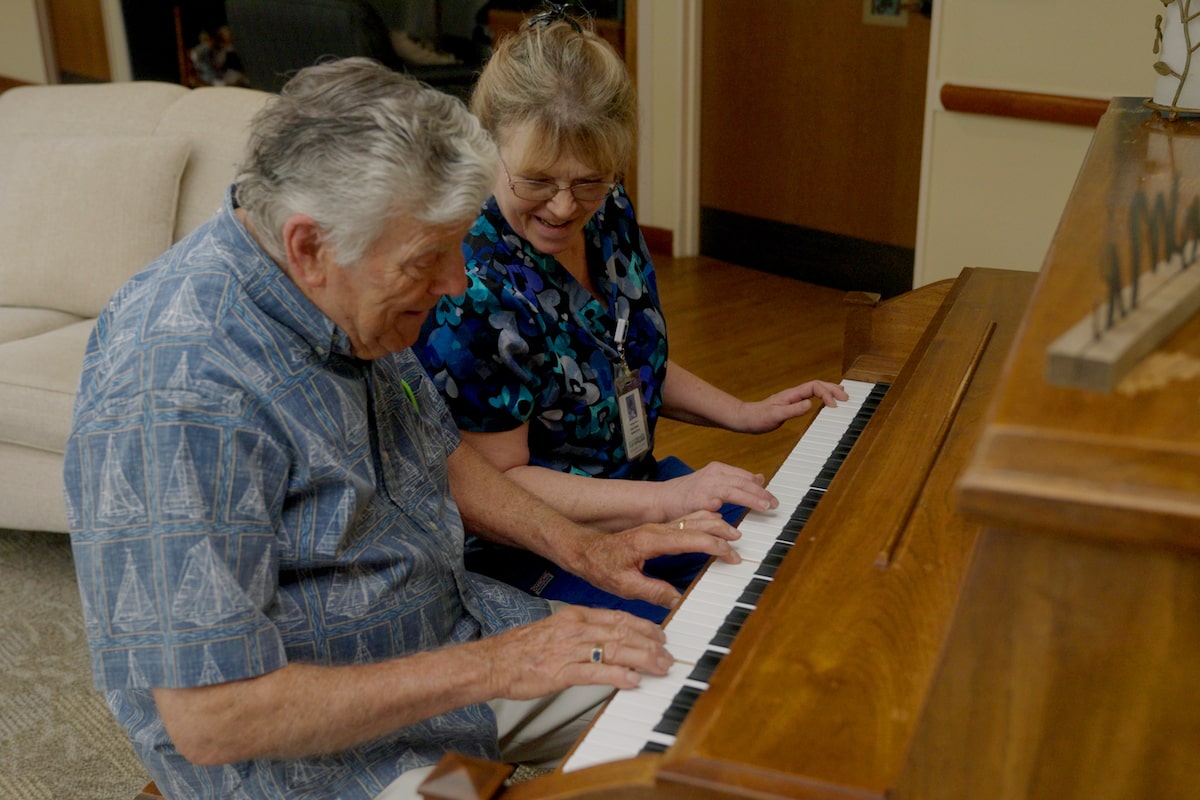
<point>543,191</point>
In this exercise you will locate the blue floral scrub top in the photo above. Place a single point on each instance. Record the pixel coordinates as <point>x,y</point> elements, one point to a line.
<point>528,343</point>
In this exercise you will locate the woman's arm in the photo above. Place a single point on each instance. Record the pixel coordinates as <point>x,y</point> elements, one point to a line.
<point>496,508</point>
<point>613,504</point>
<point>689,398</point>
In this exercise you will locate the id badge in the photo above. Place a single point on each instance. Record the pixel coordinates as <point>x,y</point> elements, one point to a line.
<point>633,414</point>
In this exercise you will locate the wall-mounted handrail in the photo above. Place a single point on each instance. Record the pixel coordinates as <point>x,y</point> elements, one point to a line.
<point>1062,109</point>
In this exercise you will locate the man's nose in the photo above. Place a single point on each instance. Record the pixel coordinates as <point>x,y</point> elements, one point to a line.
<point>451,276</point>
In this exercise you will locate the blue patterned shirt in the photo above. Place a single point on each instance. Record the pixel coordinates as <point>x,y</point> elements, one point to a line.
<point>527,342</point>
<point>232,511</point>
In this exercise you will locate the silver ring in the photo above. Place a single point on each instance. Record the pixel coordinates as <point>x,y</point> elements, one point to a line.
<point>597,654</point>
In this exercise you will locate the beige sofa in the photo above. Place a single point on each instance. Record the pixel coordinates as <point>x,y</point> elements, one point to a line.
<point>95,181</point>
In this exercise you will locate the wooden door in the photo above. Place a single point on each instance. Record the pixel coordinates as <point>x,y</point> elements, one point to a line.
<point>80,46</point>
<point>810,138</point>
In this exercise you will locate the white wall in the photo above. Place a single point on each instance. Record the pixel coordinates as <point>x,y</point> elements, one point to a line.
<point>992,189</point>
<point>668,79</point>
<point>20,42</point>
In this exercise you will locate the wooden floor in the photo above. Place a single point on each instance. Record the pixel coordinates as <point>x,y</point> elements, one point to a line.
<point>752,334</point>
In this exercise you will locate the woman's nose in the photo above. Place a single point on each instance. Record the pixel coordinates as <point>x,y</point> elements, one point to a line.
<point>563,204</point>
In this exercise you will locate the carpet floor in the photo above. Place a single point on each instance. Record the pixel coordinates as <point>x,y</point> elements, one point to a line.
<point>58,740</point>
<point>57,737</point>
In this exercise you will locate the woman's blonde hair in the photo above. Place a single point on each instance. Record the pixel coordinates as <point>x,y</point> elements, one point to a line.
<point>570,86</point>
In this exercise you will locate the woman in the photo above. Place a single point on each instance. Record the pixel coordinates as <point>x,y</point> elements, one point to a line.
<point>554,362</point>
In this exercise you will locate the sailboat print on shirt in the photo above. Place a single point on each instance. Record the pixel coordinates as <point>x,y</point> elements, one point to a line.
<point>252,505</point>
<point>287,614</point>
<point>355,593</point>
<point>182,314</point>
<point>210,673</point>
<point>262,582</point>
<point>249,366</point>
<point>207,594</point>
<point>134,610</point>
<point>309,773</point>
<point>184,390</point>
<point>183,496</point>
<point>320,453</point>
<point>339,527</point>
<point>231,784</point>
<point>362,653</point>
<point>119,502</point>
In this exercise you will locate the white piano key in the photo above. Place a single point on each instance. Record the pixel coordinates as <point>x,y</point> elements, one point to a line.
<point>627,723</point>
<point>628,719</point>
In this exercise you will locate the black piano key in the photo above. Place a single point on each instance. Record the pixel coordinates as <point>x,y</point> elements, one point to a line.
<point>753,591</point>
<point>704,668</point>
<point>776,554</point>
<point>824,477</point>
<point>703,671</point>
<point>791,531</point>
<point>765,570</point>
<point>730,627</point>
<point>673,717</point>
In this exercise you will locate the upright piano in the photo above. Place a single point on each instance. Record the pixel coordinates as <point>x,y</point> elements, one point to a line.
<point>997,594</point>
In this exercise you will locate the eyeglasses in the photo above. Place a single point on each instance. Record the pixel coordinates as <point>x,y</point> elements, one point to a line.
<point>553,13</point>
<point>545,191</point>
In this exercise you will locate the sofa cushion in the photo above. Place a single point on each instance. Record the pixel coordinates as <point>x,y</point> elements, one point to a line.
<point>216,121</point>
<point>19,323</point>
<point>38,379</point>
<point>130,108</point>
<point>79,216</point>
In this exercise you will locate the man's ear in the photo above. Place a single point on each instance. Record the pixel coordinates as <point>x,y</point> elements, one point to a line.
<point>308,255</point>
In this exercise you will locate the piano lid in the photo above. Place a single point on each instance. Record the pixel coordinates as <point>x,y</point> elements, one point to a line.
<point>1122,465</point>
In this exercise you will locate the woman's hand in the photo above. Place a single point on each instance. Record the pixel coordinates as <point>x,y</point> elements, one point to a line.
<point>709,488</point>
<point>767,415</point>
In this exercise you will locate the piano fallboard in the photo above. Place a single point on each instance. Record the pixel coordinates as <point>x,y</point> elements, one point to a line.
<point>824,686</point>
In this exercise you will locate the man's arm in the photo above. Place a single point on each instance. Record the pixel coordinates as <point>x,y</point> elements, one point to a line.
<point>497,508</point>
<point>303,709</point>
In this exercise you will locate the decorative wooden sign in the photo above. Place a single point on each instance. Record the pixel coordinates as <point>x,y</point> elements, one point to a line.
<point>1142,308</point>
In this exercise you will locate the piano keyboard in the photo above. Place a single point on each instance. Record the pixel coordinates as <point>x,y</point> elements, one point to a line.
<point>701,631</point>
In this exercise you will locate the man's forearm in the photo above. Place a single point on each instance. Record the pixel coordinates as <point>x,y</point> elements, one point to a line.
<point>497,508</point>
<point>304,710</point>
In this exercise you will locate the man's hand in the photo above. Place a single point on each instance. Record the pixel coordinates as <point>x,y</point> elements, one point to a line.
<point>614,561</point>
<point>557,652</point>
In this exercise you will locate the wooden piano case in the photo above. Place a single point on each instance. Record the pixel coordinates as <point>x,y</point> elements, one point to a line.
<point>999,596</point>
<point>1073,666</point>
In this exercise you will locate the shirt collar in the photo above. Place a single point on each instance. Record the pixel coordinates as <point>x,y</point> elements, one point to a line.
<point>269,287</point>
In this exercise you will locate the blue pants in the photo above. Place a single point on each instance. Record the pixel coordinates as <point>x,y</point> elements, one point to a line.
<point>545,579</point>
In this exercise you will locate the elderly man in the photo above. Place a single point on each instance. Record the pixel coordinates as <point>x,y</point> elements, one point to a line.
<point>267,496</point>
